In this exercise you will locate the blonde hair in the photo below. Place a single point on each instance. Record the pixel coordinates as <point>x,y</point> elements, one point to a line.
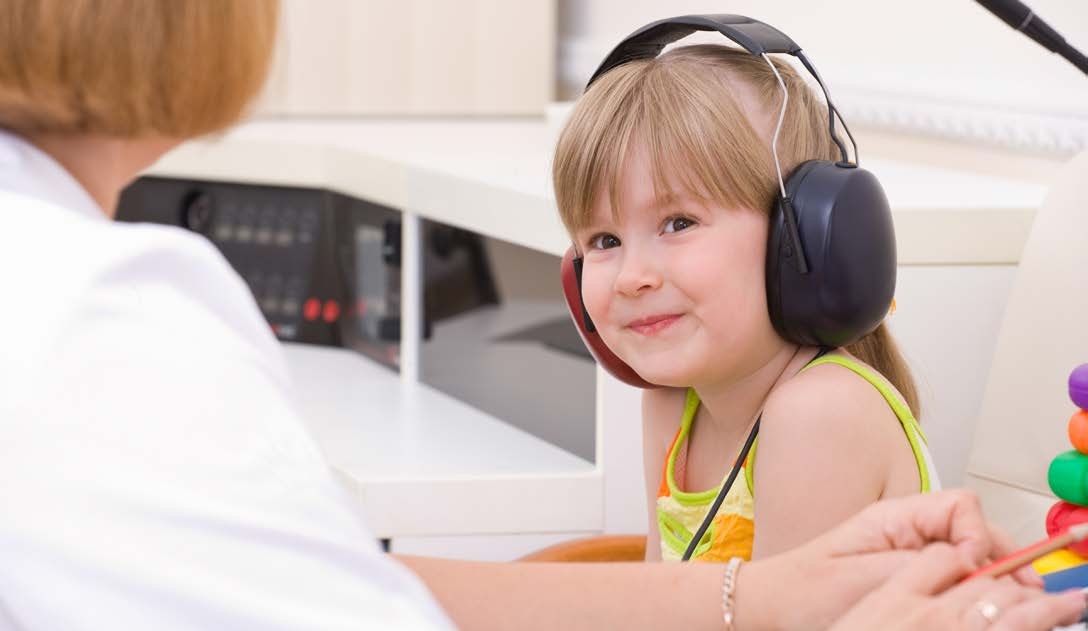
<point>682,109</point>
<point>177,68</point>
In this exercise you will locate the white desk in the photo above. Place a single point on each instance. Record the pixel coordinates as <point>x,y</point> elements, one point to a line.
<point>423,463</point>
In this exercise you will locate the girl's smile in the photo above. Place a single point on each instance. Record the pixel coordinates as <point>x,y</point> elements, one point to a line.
<point>652,325</point>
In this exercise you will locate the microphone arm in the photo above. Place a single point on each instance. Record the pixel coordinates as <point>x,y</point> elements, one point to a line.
<point>1021,18</point>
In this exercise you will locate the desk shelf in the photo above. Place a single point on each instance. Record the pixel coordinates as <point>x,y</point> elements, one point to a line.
<point>424,463</point>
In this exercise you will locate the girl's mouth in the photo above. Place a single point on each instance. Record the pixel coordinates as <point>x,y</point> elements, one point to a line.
<point>653,324</point>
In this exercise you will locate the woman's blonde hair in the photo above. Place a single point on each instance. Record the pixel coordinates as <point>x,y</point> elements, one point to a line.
<point>177,68</point>
<point>682,108</point>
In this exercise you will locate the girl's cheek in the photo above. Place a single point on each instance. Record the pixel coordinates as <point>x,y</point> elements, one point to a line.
<point>597,298</point>
<point>595,294</point>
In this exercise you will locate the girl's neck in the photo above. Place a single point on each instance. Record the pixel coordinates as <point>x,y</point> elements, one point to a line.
<point>734,404</point>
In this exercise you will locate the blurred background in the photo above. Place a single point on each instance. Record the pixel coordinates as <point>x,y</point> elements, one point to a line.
<point>939,69</point>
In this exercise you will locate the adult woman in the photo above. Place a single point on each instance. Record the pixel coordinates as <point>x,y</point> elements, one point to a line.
<point>155,475</point>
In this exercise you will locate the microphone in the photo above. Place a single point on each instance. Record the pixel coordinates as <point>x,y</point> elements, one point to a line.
<point>1021,18</point>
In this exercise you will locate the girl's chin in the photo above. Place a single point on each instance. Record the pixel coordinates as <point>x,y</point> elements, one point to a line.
<point>659,365</point>
<point>672,377</point>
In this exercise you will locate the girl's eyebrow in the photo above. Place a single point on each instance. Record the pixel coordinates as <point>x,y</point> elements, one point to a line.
<point>591,229</point>
<point>669,200</point>
<point>662,205</point>
<point>599,221</point>
<point>666,198</point>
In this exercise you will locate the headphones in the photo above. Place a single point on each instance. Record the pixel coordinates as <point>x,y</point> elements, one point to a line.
<point>831,259</point>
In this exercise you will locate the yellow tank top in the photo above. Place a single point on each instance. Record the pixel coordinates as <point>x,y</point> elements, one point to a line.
<point>732,530</point>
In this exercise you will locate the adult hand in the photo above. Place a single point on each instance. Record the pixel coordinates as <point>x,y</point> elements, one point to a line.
<point>928,594</point>
<point>815,584</point>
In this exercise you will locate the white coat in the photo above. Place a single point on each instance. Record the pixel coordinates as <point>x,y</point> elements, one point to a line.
<point>153,471</point>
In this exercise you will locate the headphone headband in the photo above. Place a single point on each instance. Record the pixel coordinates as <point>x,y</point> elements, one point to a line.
<point>758,38</point>
<point>648,42</point>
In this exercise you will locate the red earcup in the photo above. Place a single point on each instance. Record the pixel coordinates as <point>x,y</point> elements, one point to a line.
<point>605,357</point>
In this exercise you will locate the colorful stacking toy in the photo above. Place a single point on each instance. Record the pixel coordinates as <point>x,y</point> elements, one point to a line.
<point>1068,479</point>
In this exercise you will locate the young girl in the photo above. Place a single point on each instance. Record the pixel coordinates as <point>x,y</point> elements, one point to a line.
<point>664,177</point>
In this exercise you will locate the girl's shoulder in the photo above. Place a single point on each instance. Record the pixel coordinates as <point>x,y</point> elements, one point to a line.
<point>831,398</point>
<point>828,445</point>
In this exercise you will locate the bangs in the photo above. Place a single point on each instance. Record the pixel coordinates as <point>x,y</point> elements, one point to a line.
<point>695,133</point>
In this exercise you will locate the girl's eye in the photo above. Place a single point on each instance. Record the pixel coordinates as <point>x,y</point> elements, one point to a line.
<point>604,242</point>
<point>676,224</point>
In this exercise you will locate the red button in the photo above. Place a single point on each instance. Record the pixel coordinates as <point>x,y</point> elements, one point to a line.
<point>311,309</point>
<point>331,312</point>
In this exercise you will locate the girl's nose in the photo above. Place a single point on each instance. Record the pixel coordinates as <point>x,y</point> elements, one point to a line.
<point>637,275</point>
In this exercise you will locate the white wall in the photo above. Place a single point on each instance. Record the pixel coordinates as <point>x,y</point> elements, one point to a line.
<point>940,67</point>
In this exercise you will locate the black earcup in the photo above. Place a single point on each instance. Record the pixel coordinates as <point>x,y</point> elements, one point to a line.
<point>846,232</point>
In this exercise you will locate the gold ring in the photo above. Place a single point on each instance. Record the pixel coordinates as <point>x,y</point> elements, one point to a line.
<point>988,610</point>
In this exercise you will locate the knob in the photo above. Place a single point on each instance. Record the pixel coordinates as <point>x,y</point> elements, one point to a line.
<point>196,213</point>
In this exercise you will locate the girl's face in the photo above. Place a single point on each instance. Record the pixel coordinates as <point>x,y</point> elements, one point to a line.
<point>675,286</point>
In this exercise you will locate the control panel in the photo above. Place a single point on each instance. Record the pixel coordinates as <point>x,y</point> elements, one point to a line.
<point>323,267</point>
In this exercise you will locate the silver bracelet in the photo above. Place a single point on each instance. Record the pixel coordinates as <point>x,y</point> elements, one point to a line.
<point>729,585</point>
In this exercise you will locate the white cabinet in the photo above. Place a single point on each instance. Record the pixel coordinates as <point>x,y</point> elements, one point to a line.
<point>414,57</point>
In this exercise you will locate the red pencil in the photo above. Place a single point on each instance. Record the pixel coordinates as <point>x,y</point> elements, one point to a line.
<point>1020,558</point>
